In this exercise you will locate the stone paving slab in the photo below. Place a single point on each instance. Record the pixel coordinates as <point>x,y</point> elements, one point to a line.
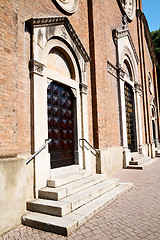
<point>133,216</point>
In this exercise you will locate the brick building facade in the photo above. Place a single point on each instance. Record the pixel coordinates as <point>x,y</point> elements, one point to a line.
<point>95,62</point>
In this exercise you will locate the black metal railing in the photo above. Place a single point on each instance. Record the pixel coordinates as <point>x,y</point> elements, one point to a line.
<point>83,139</point>
<point>47,141</point>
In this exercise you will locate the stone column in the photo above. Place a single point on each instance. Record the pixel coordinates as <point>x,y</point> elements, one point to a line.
<point>84,102</point>
<point>39,124</point>
<point>138,93</point>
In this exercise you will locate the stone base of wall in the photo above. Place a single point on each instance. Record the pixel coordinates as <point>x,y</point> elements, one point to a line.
<point>16,187</point>
<point>110,160</point>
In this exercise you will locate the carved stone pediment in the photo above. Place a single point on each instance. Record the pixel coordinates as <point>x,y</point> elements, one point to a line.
<point>60,25</point>
<point>118,34</point>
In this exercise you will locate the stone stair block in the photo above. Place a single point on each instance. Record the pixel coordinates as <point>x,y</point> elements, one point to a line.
<point>91,208</point>
<point>56,208</point>
<point>70,222</point>
<point>136,167</point>
<point>82,197</point>
<point>66,178</point>
<point>139,161</point>
<point>76,197</point>
<point>58,225</point>
<point>52,193</point>
<point>70,188</point>
<point>66,169</point>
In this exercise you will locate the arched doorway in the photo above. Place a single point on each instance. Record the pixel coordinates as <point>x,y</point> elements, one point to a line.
<point>154,121</point>
<point>130,108</point>
<point>58,72</point>
<point>61,118</point>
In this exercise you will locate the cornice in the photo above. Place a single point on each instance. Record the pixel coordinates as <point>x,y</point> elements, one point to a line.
<point>141,16</point>
<point>52,21</point>
<point>112,69</point>
<point>117,34</point>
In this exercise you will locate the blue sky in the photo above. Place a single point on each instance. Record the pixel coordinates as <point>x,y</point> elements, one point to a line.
<point>151,10</point>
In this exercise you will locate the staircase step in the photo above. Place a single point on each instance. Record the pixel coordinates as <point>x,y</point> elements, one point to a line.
<point>66,178</point>
<point>66,169</point>
<point>137,167</point>
<point>49,223</point>
<point>142,165</point>
<point>70,188</point>
<point>91,208</point>
<point>70,222</point>
<point>138,161</point>
<point>80,198</point>
<point>56,208</point>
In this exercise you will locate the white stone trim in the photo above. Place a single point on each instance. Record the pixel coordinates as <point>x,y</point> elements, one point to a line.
<point>47,34</point>
<point>126,51</point>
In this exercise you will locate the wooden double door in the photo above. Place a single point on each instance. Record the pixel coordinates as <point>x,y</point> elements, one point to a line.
<point>130,118</point>
<point>60,125</point>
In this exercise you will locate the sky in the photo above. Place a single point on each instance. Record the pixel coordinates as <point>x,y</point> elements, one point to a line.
<point>151,9</point>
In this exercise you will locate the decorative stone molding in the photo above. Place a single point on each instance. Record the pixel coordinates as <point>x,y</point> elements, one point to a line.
<point>83,88</point>
<point>69,6</point>
<point>138,88</point>
<point>121,73</point>
<point>45,22</point>
<point>36,67</point>
<point>117,34</point>
<point>112,69</point>
<point>150,83</point>
<point>124,22</point>
<point>128,7</point>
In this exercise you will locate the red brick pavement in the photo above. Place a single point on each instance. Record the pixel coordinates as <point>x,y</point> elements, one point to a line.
<point>134,215</point>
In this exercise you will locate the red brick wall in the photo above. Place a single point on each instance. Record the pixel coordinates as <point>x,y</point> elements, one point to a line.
<point>15,118</point>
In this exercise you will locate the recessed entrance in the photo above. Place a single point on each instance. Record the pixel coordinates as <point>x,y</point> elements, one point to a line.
<point>60,125</point>
<point>130,117</point>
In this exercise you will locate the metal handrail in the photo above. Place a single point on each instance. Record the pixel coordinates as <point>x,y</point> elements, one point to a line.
<point>47,141</point>
<point>83,139</point>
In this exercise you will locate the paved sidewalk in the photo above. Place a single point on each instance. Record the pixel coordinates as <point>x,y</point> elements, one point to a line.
<point>134,215</point>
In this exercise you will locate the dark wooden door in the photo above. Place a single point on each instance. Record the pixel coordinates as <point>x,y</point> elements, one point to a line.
<point>154,132</point>
<point>60,125</point>
<point>130,117</point>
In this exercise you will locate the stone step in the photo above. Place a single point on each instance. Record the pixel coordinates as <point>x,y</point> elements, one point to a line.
<point>66,169</point>
<point>66,225</point>
<point>137,167</point>
<point>66,178</point>
<point>91,208</point>
<point>55,208</point>
<point>69,204</point>
<point>139,161</point>
<point>70,188</point>
<point>49,223</point>
<point>137,157</point>
<point>142,165</point>
<point>80,198</point>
